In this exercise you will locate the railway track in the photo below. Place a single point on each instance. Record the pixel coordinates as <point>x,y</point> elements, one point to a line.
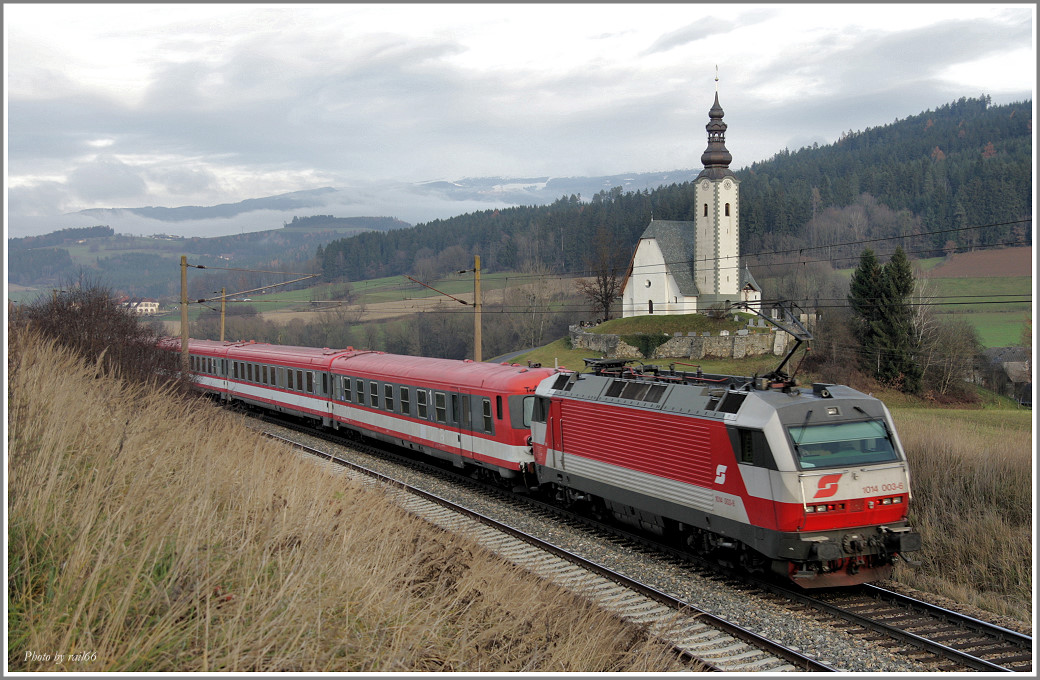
<point>956,642</point>
<point>696,635</point>
<point>931,637</point>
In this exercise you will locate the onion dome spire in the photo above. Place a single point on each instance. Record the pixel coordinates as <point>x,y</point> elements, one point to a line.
<point>716,158</point>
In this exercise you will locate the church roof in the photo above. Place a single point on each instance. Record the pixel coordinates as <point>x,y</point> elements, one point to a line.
<point>746,279</point>
<point>675,240</point>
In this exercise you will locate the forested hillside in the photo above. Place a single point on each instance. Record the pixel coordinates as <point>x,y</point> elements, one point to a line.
<point>965,166</point>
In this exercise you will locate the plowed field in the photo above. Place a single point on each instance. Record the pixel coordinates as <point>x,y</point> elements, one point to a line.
<point>1004,262</point>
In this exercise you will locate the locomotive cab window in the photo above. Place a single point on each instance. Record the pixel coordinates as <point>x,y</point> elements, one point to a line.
<point>841,444</point>
<point>752,448</point>
<point>540,409</point>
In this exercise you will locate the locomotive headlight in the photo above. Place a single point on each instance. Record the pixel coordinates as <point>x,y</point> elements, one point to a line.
<point>897,499</point>
<point>821,508</point>
<point>886,501</point>
<point>870,504</point>
<point>810,508</point>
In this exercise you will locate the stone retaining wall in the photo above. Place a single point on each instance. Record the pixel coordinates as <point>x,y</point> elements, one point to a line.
<point>695,347</point>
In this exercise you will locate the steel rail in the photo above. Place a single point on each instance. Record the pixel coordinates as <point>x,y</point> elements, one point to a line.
<point>969,624</point>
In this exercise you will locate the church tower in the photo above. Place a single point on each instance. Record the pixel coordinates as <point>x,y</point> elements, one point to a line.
<point>717,243</point>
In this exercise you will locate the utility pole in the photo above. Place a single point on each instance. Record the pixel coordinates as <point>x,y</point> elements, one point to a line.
<point>185,365</point>
<point>477,339</point>
<point>477,335</point>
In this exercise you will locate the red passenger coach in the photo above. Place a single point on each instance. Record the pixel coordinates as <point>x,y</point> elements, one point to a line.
<point>466,412</point>
<point>463,411</point>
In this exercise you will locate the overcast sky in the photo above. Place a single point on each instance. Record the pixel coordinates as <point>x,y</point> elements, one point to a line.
<point>136,105</point>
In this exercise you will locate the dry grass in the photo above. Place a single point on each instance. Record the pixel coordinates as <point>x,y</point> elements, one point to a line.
<point>971,475</point>
<point>151,534</point>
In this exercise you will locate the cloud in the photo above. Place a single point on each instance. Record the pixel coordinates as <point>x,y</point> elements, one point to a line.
<point>107,179</point>
<point>178,181</point>
<point>205,106</point>
<point>704,28</point>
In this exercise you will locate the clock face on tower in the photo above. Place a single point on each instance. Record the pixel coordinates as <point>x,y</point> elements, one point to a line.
<point>704,185</point>
<point>727,184</point>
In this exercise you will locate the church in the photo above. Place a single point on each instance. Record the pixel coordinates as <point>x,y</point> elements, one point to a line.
<point>686,267</point>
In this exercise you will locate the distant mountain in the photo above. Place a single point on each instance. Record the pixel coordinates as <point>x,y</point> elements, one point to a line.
<point>406,202</point>
<point>283,202</point>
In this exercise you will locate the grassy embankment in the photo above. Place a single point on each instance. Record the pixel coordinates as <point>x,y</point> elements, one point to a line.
<point>972,480</point>
<point>152,535</point>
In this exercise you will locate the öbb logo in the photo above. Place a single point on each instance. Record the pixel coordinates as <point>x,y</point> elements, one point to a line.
<point>827,486</point>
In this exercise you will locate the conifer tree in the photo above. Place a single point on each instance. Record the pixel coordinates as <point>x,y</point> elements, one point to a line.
<point>880,300</point>
<point>864,299</point>
<point>899,365</point>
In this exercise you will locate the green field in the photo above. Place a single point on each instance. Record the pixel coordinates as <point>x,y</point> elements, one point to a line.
<point>990,304</point>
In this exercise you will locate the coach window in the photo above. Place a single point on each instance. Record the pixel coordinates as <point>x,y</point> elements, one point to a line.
<point>420,401</point>
<point>324,384</point>
<point>498,406</point>
<point>487,415</point>
<point>299,380</point>
<point>388,396</point>
<point>264,381</point>
<point>250,372</point>
<point>467,416</point>
<point>440,407</point>
<point>310,381</point>
<point>346,390</point>
<point>406,405</point>
<point>359,386</point>
<point>373,394</point>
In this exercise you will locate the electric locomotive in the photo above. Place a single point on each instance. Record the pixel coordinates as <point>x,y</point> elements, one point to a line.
<point>812,484</point>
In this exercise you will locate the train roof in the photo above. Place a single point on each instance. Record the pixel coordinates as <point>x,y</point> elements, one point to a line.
<point>441,372</point>
<point>379,365</point>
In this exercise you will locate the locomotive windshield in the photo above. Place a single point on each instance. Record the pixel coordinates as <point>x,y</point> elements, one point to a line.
<point>823,446</point>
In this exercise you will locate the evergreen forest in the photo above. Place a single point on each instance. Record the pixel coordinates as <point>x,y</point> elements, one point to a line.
<point>948,180</point>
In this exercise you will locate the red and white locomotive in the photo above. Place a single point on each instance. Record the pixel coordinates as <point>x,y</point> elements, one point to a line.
<point>811,484</point>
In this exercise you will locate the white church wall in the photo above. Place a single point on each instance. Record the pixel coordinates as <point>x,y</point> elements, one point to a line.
<point>649,282</point>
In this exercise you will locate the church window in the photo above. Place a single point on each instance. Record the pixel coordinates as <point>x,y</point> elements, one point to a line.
<point>727,210</point>
<point>648,283</point>
<point>651,306</point>
<point>705,209</point>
